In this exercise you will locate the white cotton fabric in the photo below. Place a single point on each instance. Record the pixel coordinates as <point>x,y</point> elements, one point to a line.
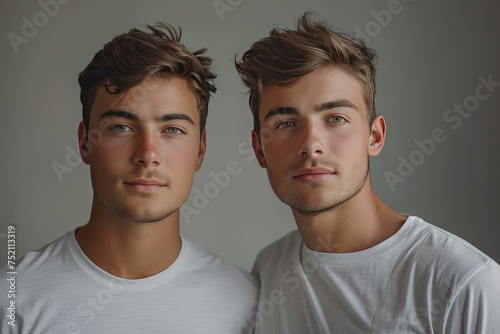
<point>420,280</point>
<point>59,290</point>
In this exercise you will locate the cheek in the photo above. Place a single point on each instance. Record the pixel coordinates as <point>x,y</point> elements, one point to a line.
<point>182,156</point>
<point>279,159</point>
<point>105,154</point>
<point>274,145</point>
<point>349,145</point>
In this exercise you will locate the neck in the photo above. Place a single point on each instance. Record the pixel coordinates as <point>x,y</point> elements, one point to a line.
<point>357,224</point>
<point>130,250</point>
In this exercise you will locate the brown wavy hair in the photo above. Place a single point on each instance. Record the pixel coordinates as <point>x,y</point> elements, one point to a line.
<point>286,55</point>
<point>132,57</point>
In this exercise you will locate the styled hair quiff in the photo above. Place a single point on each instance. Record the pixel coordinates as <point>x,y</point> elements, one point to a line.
<point>286,55</point>
<point>132,57</point>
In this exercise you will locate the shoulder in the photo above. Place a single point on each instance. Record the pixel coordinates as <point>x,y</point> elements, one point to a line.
<point>437,243</point>
<point>281,250</point>
<point>464,281</point>
<point>286,244</point>
<point>41,265</point>
<point>44,258</point>
<point>214,268</point>
<point>449,256</point>
<point>38,272</point>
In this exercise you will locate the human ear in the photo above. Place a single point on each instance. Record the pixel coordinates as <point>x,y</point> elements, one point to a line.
<point>83,143</point>
<point>202,149</point>
<point>257,148</point>
<point>377,136</point>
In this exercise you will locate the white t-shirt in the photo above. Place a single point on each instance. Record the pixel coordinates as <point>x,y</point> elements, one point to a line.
<point>59,290</point>
<point>420,280</point>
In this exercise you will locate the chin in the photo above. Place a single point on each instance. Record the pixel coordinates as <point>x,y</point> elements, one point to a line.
<point>146,217</point>
<point>312,206</point>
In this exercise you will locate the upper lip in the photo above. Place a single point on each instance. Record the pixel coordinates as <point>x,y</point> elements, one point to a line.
<point>146,182</point>
<point>313,170</point>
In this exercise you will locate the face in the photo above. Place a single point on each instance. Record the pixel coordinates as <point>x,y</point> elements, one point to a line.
<point>315,140</point>
<point>143,148</point>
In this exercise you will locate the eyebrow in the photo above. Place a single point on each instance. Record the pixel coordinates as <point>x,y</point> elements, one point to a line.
<point>171,117</point>
<point>133,117</point>
<point>120,114</point>
<point>281,111</point>
<point>342,103</point>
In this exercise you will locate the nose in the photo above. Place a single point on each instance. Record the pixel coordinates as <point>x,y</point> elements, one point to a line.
<point>147,149</point>
<point>311,142</point>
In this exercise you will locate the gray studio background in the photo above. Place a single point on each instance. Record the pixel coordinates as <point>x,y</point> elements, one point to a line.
<point>433,56</point>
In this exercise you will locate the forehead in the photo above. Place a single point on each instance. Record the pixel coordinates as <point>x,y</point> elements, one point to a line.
<point>326,84</point>
<point>151,97</point>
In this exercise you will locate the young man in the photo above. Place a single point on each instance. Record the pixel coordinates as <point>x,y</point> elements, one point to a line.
<point>128,270</point>
<point>354,265</point>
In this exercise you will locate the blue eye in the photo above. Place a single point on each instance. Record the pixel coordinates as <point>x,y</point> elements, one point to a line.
<point>121,128</point>
<point>174,131</point>
<point>285,124</point>
<point>337,119</point>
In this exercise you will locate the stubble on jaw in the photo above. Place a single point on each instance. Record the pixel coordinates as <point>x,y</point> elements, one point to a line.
<point>336,202</point>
